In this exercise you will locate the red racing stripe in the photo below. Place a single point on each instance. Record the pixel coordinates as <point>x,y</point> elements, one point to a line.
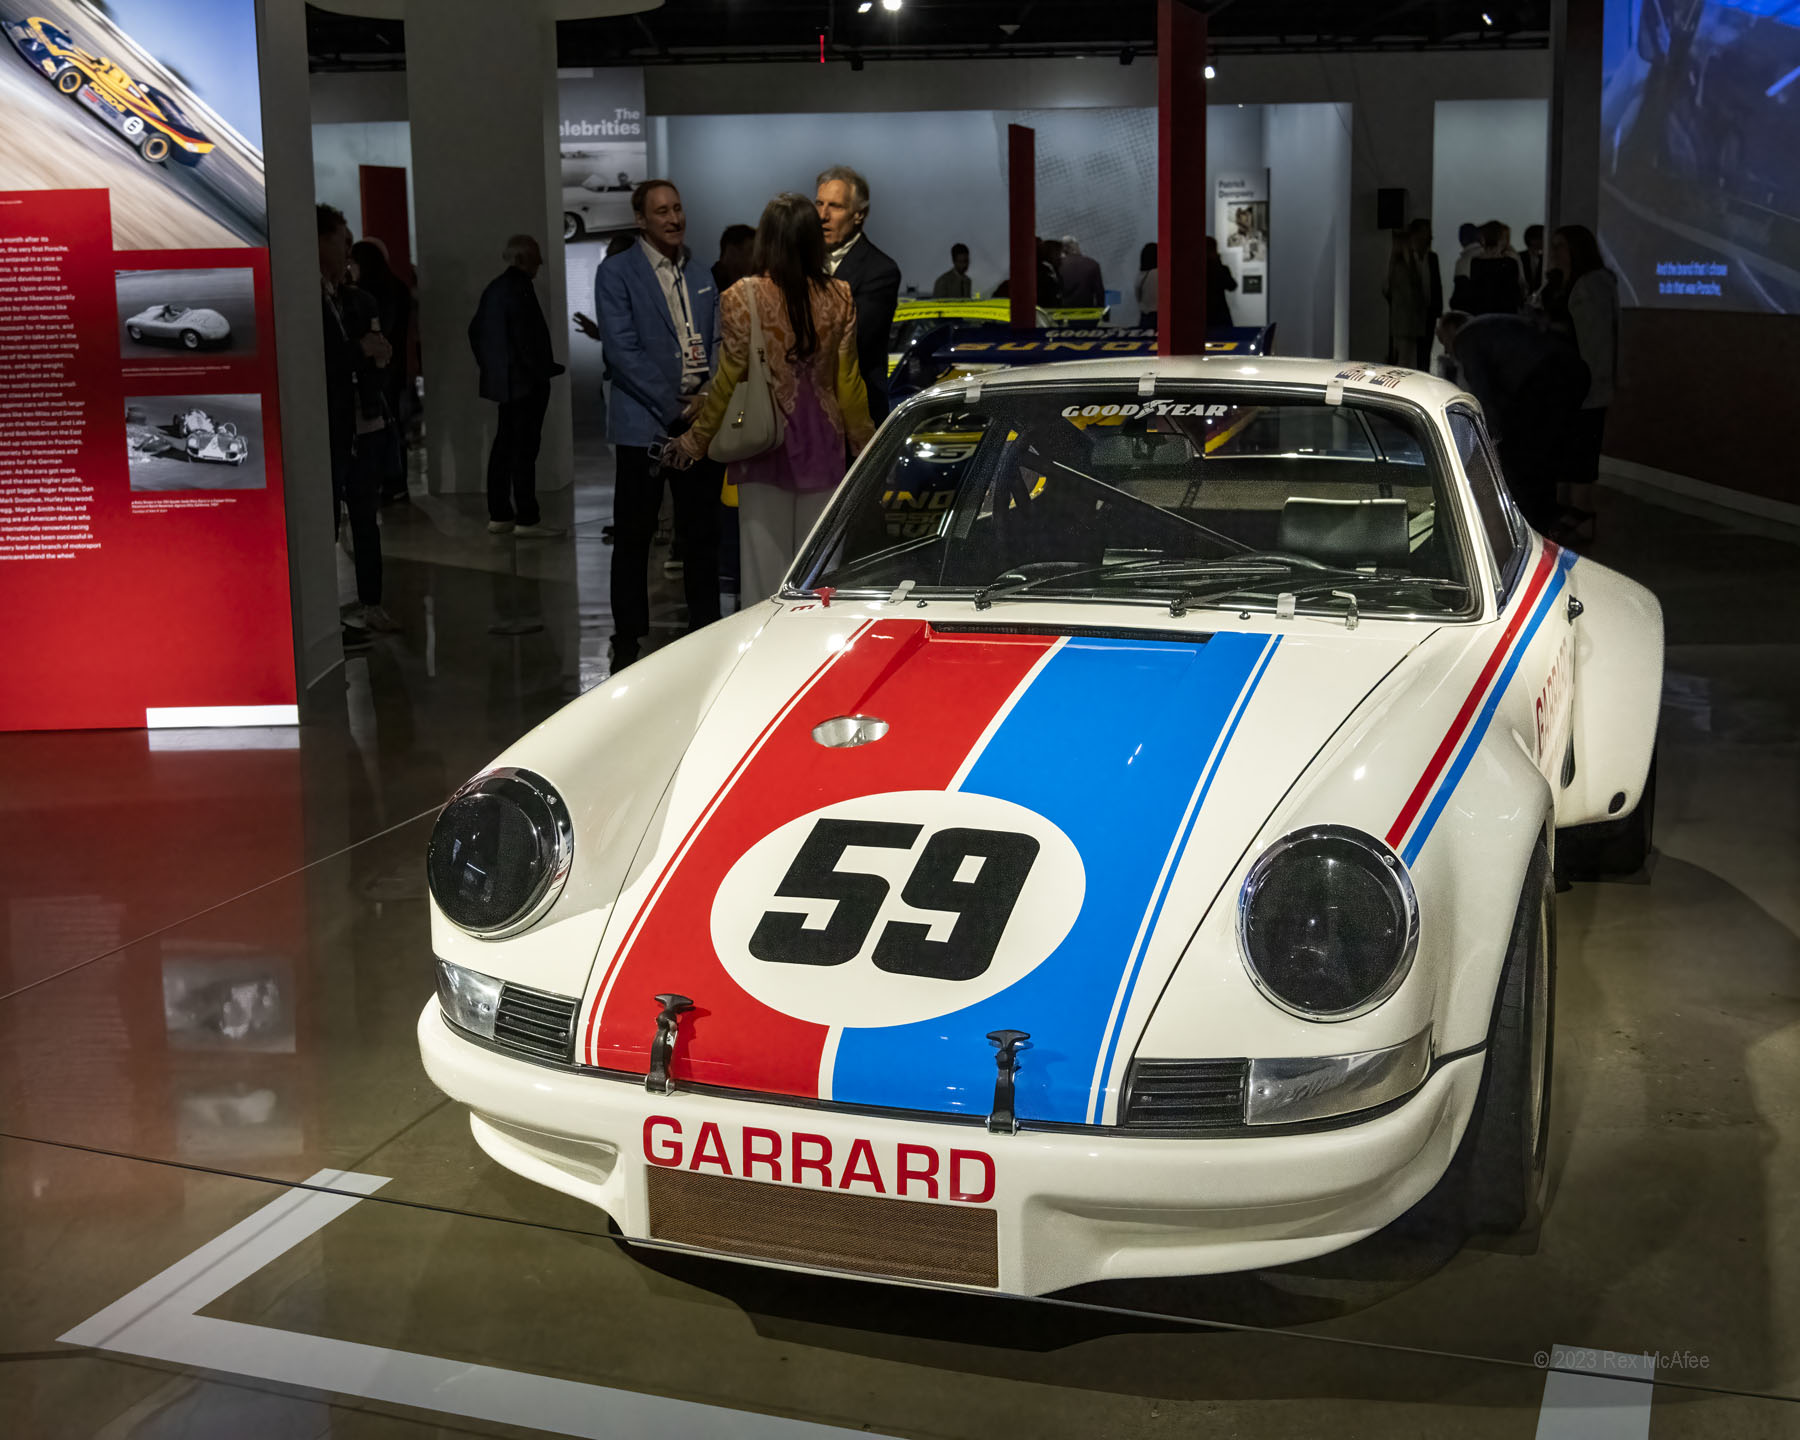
<point>1447,746</point>
<point>937,693</point>
<point>637,921</point>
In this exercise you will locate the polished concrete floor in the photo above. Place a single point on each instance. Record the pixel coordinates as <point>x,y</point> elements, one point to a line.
<point>214,946</point>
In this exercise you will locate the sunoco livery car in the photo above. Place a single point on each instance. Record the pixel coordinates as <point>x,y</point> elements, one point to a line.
<point>1142,867</point>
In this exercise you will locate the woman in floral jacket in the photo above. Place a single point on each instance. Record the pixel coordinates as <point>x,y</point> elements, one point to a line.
<point>809,334</point>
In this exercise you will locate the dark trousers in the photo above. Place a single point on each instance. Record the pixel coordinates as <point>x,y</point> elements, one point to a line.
<point>512,463</point>
<point>637,498</point>
<point>356,487</point>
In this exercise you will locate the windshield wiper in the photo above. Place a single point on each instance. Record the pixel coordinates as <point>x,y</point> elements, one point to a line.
<point>1131,570</point>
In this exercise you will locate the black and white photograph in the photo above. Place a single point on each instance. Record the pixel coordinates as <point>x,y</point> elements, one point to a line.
<point>206,311</point>
<point>195,442</point>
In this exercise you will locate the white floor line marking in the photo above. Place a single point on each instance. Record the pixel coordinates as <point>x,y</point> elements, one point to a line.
<point>1610,1401</point>
<point>157,1321</point>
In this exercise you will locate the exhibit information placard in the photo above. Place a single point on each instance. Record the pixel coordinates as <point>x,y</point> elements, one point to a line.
<point>143,542</point>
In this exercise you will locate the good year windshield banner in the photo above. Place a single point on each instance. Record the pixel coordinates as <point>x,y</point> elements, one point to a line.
<point>143,548</point>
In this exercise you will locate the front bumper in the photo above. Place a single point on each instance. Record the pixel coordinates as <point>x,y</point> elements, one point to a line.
<point>1071,1207</point>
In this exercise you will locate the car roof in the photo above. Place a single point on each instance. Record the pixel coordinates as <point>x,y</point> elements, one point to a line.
<point>1357,377</point>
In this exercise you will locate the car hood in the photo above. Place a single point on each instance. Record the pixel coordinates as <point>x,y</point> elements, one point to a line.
<point>1031,830</point>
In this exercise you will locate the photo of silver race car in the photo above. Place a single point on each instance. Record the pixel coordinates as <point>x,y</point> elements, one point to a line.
<point>190,328</point>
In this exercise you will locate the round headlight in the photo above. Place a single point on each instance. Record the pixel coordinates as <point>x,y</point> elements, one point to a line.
<point>1328,922</point>
<point>500,853</point>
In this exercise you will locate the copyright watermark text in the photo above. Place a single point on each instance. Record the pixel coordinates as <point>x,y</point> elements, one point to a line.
<point>1622,1362</point>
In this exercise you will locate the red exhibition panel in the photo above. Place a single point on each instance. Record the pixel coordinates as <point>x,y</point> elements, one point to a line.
<point>143,544</point>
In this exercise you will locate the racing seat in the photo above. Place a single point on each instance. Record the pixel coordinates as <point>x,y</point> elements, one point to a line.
<point>1348,533</point>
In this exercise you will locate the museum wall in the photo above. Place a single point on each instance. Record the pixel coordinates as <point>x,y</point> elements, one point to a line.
<point>1490,162</point>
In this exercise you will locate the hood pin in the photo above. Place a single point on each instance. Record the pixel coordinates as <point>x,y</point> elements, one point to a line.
<point>662,1048</point>
<point>1008,1043</point>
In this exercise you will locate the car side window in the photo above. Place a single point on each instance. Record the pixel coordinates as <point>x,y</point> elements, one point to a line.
<point>1499,517</point>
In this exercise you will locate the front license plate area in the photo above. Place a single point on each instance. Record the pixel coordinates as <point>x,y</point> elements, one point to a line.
<point>826,1229</point>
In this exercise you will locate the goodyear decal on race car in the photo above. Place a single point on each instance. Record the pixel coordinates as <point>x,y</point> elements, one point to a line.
<point>852,923</point>
<point>1413,825</point>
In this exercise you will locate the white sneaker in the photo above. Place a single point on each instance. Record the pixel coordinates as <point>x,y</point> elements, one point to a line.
<point>537,532</point>
<point>500,527</point>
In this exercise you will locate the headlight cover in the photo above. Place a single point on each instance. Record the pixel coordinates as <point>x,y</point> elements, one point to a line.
<point>500,853</point>
<point>1328,922</point>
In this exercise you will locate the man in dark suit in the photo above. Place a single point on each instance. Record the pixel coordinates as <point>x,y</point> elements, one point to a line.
<point>874,279</point>
<point>1431,286</point>
<point>659,326</point>
<point>512,347</point>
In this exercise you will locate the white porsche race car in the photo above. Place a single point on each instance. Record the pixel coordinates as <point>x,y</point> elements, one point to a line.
<point>1143,868</point>
<point>190,328</point>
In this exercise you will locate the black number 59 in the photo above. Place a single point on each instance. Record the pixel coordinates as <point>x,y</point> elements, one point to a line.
<point>981,896</point>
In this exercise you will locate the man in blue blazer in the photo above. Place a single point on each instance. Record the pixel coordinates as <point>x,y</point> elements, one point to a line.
<point>659,324</point>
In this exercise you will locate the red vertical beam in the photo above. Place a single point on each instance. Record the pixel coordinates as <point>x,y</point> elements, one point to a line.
<point>1021,172</point>
<point>1180,178</point>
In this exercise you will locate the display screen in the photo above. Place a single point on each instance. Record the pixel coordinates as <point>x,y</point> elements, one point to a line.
<point>143,542</point>
<point>1700,153</point>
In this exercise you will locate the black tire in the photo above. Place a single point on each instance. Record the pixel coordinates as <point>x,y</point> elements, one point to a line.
<point>1506,1178</point>
<point>135,333</point>
<point>191,339</point>
<point>155,148</point>
<point>573,229</point>
<point>70,80</point>
<point>1610,848</point>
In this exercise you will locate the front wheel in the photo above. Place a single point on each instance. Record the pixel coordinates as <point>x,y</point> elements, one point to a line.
<point>69,81</point>
<point>135,332</point>
<point>155,149</point>
<point>191,339</point>
<point>573,229</point>
<point>1505,1150</point>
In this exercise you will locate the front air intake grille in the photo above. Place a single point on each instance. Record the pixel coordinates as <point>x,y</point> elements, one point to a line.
<point>536,1024</point>
<point>1186,1094</point>
<point>826,1229</point>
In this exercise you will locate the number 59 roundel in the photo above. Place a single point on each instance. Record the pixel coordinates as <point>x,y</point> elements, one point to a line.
<point>890,909</point>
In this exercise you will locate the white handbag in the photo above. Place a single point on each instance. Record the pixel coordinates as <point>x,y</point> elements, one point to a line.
<point>754,424</point>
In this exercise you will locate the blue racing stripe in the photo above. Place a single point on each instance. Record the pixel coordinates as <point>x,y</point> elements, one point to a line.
<point>1108,743</point>
<point>1472,741</point>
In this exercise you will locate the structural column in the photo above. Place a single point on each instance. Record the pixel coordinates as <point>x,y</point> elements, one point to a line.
<point>299,338</point>
<point>485,166</point>
<point>1021,198</point>
<point>1180,178</point>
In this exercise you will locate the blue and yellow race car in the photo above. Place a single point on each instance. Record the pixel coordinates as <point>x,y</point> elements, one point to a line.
<point>149,119</point>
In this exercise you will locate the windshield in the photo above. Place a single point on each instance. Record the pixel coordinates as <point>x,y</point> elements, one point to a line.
<point>1202,494</point>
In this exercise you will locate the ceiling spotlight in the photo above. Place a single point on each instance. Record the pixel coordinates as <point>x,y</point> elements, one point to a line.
<point>1211,73</point>
<point>1009,30</point>
<point>1127,55</point>
<point>865,7</point>
<point>890,4</point>
<point>1486,19</point>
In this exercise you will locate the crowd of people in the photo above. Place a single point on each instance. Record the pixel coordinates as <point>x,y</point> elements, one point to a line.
<point>801,304</point>
<point>1534,336</point>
